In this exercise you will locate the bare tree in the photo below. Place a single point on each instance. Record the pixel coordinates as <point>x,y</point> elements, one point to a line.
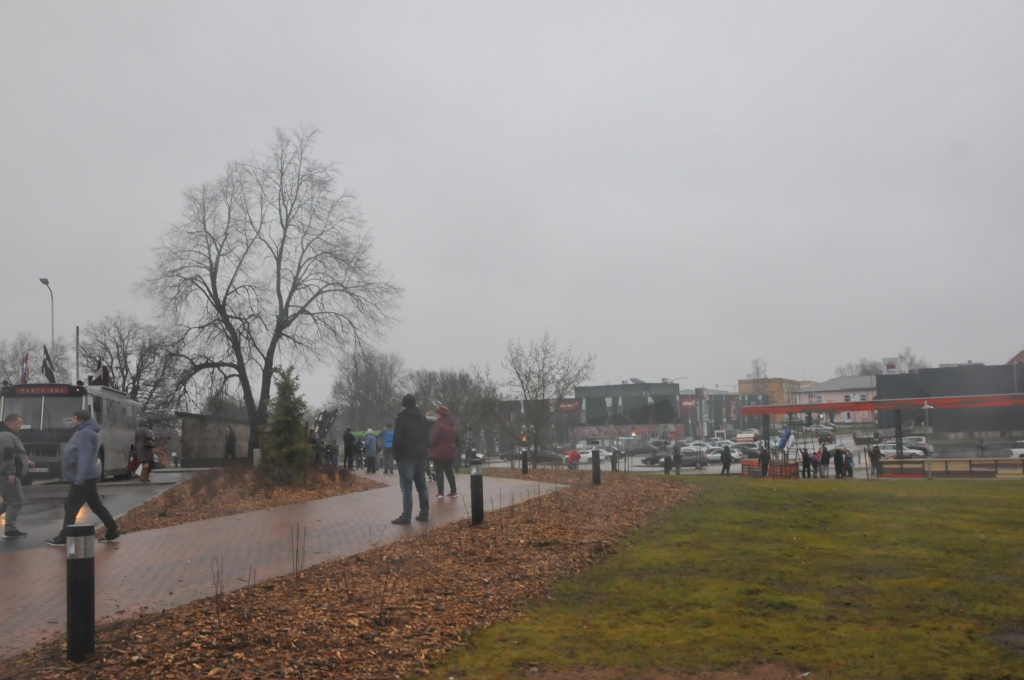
<point>911,360</point>
<point>538,376</point>
<point>758,370</point>
<point>12,358</point>
<point>144,362</point>
<point>270,264</point>
<point>461,391</point>
<point>367,388</point>
<point>863,367</point>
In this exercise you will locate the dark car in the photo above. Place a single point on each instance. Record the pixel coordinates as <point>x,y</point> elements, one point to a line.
<point>643,450</point>
<point>690,458</point>
<point>826,438</point>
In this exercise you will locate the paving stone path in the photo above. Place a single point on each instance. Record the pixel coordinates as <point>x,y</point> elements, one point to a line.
<point>163,568</point>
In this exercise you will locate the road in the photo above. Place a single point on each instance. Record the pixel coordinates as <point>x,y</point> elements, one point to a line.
<point>43,513</point>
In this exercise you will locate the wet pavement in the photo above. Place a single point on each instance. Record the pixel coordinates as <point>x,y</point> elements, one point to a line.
<point>43,513</point>
<point>161,568</point>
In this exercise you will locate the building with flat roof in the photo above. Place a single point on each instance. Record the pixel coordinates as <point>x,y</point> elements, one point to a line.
<point>848,388</point>
<point>778,390</point>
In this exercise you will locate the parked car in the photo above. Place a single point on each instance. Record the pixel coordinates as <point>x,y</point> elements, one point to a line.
<point>888,450</point>
<point>643,449</point>
<point>826,437</point>
<point>1017,450</point>
<point>690,457</point>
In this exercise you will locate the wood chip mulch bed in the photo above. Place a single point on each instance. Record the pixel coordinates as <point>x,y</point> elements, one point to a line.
<point>386,613</point>
<point>233,490</point>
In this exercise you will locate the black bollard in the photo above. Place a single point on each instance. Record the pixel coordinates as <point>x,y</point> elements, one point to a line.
<point>476,489</point>
<point>526,461</point>
<point>81,591</point>
<point>595,461</point>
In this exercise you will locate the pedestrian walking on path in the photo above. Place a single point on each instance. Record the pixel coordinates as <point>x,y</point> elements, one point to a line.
<point>444,439</point>
<point>144,444</point>
<point>410,449</point>
<point>370,451</point>
<point>14,466</point>
<point>765,457</point>
<point>81,467</point>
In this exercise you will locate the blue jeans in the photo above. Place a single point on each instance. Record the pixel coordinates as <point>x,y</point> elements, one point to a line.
<point>409,472</point>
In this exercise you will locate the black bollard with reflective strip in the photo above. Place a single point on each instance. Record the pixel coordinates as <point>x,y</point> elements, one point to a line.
<point>476,488</point>
<point>526,461</point>
<point>81,591</point>
<point>595,460</point>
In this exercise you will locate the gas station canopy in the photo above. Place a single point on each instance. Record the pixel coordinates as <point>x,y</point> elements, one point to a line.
<point>973,401</point>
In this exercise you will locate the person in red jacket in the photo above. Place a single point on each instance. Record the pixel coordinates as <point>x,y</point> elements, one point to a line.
<point>444,437</point>
<point>574,459</point>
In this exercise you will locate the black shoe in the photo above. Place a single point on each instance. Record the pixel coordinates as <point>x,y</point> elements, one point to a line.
<point>15,534</point>
<point>110,537</point>
<point>58,541</point>
<point>422,518</point>
<point>402,520</point>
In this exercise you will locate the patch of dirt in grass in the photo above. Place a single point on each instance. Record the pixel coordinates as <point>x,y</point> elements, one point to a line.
<point>386,613</point>
<point>1012,640</point>
<point>232,490</point>
<point>762,672</point>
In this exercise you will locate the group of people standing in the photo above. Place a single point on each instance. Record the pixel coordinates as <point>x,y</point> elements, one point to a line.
<point>365,450</point>
<point>816,465</point>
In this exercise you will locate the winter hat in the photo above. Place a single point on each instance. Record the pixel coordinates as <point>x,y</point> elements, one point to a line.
<point>443,411</point>
<point>408,401</point>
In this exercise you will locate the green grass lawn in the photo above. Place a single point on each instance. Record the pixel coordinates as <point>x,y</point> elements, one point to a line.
<point>847,579</point>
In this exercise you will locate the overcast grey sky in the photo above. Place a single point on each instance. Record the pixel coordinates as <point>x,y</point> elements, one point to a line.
<point>675,187</point>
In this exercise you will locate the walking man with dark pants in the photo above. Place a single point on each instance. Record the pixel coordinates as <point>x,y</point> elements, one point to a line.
<point>409,446</point>
<point>14,465</point>
<point>726,462</point>
<point>82,469</point>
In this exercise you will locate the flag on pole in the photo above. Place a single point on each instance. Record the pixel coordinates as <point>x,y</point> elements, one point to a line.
<point>48,370</point>
<point>102,374</point>
<point>24,370</point>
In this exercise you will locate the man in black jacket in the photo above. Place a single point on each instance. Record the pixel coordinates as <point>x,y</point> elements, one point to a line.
<point>409,446</point>
<point>350,447</point>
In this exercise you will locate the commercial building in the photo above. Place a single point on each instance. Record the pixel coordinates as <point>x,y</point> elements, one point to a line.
<point>778,390</point>
<point>851,388</point>
<point>959,380</point>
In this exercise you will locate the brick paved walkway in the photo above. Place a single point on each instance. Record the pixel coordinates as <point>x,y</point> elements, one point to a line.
<point>163,568</point>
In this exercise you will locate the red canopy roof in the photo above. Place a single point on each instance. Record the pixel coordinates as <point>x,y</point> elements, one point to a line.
<point>973,401</point>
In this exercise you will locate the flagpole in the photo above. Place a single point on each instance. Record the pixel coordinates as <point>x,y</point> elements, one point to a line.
<point>77,377</point>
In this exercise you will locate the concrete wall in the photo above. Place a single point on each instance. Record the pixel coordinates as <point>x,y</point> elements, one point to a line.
<point>202,438</point>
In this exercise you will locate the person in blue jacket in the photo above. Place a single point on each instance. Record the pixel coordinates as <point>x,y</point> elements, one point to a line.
<point>81,467</point>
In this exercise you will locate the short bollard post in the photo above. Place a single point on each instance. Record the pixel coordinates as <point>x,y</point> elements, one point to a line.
<point>81,591</point>
<point>526,461</point>
<point>476,488</point>
<point>595,460</point>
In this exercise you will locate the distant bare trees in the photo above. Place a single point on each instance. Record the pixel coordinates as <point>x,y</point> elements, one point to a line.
<point>12,357</point>
<point>462,392</point>
<point>271,263</point>
<point>907,358</point>
<point>145,362</point>
<point>367,389</point>
<point>758,370</point>
<point>538,376</point>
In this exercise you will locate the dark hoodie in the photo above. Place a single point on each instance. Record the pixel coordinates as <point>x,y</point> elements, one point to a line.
<point>411,431</point>
<point>443,439</point>
<point>80,463</point>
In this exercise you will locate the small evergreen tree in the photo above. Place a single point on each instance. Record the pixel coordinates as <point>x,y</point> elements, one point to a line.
<point>286,442</point>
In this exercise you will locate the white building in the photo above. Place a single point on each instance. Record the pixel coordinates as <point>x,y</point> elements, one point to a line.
<point>837,390</point>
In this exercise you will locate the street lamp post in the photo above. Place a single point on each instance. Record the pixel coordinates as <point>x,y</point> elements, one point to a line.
<point>46,282</point>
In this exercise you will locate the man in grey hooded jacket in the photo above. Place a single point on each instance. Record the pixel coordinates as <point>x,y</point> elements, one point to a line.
<point>81,467</point>
<point>14,465</point>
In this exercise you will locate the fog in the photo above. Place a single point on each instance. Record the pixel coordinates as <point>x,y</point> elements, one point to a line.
<point>677,188</point>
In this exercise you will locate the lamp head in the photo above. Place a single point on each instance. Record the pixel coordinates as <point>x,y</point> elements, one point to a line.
<point>45,282</point>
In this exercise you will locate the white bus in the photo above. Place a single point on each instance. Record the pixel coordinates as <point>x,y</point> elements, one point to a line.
<point>46,410</point>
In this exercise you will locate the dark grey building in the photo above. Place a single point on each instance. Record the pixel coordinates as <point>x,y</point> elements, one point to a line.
<point>956,381</point>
